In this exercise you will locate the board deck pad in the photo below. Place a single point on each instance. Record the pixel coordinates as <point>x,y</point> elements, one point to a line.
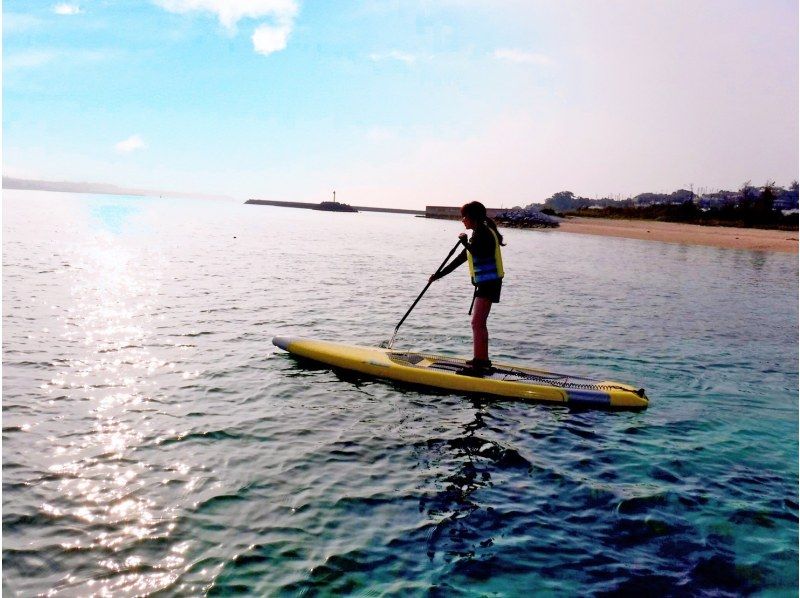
<point>498,372</point>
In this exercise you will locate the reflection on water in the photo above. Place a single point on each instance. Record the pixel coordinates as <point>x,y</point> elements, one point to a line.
<point>464,526</point>
<point>99,479</point>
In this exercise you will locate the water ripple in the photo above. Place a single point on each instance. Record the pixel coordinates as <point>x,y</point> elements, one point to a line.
<point>156,443</point>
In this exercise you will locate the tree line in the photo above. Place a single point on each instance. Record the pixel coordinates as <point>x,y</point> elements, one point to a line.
<point>768,206</point>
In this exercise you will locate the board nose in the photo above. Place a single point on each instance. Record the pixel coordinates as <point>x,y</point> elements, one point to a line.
<point>281,342</point>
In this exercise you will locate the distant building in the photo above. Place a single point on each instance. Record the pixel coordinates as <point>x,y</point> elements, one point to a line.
<point>719,199</point>
<point>786,201</point>
<point>454,212</point>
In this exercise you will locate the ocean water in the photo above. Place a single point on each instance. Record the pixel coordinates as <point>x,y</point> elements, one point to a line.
<point>155,442</point>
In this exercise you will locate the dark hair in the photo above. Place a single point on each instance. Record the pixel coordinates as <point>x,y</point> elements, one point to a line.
<point>476,211</point>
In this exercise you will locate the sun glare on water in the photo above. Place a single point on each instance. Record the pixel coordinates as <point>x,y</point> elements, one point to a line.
<point>102,481</point>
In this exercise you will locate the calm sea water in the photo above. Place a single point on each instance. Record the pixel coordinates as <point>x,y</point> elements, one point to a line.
<point>154,441</point>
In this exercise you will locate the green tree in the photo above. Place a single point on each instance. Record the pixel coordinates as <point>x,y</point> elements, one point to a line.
<point>687,212</point>
<point>562,201</point>
<point>747,196</point>
<point>763,205</point>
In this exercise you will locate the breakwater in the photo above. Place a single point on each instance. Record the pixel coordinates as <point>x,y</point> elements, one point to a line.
<point>315,206</point>
<point>515,217</point>
<point>454,212</point>
<point>447,212</point>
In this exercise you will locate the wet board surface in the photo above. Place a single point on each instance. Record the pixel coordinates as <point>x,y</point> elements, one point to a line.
<point>444,372</point>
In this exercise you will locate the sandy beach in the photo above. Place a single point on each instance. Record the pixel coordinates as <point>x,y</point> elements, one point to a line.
<point>693,234</point>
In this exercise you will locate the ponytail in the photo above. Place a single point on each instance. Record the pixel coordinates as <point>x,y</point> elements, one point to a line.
<point>476,211</point>
<point>493,225</point>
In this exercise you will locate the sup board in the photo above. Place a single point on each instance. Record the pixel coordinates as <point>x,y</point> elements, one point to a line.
<point>442,372</point>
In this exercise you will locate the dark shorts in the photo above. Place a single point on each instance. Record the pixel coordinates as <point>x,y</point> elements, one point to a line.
<point>489,290</point>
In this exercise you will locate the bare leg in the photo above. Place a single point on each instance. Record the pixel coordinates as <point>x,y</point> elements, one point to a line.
<point>480,334</point>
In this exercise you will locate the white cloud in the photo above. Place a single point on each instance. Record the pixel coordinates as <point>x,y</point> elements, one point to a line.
<point>28,59</point>
<point>231,12</point>
<point>134,142</point>
<point>522,57</point>
<point>267,38</point>
<point>67,9</point>
<point>394,55</point>
<point>14,22</point>
<point>31,59</point>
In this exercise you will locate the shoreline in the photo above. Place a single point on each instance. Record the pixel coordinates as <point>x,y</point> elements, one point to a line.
<point>754,239</point>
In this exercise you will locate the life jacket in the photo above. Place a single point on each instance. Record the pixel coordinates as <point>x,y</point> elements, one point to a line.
<point>484,269</point>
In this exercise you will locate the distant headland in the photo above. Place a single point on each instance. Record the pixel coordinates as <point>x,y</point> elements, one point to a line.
<point>99,188</point>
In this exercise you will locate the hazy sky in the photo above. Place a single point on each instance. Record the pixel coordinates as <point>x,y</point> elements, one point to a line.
<point>402,102</point>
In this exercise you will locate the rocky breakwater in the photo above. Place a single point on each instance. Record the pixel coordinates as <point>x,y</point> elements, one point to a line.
<point>334,206</point>
<point>525,218</point>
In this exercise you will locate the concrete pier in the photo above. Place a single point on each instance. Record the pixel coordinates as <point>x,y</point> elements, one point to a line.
<point>315,206</point>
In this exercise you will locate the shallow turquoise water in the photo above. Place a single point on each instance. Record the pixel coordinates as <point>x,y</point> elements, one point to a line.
<point>155,441</point>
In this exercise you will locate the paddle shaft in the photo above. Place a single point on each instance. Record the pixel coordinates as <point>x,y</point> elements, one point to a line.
<point>413,305</point>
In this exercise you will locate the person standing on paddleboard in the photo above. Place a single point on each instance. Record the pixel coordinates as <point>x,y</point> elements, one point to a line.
<point>482,251</point>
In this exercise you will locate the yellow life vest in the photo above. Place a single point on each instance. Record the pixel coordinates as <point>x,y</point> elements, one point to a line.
<point>484,269</point>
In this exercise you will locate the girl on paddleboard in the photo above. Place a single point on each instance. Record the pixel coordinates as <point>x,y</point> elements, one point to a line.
<point>482,251</point>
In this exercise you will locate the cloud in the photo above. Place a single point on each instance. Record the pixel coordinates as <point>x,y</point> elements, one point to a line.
<point>28,59</point>
<point>14,22</point>
<point>394,55</point>
<point>522,57</point>
<point>267,38</point>
<point>67,9</point>
<point>132,143</point>
<point>31,59</point>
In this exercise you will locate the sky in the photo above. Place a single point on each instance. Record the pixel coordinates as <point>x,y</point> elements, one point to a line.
<point>402,103</point>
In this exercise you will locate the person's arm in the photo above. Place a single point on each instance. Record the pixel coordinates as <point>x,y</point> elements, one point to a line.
<point>481,244</point>
<point>457,261</point>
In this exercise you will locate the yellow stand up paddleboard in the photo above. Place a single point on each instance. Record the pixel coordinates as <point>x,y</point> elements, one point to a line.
<point>437,371</point>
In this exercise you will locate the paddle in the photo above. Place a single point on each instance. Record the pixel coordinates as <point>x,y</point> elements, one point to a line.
<point>388,344</point>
